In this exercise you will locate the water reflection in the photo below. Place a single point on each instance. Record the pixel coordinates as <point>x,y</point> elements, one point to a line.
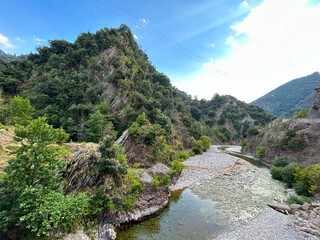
<point>186,217</point>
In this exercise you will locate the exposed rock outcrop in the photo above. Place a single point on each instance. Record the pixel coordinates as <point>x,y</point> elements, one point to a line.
<point>314,112</point>
<point>136,152</point>
<point>304,144</point>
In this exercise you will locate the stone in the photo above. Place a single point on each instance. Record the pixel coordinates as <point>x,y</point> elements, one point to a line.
<point>160,168</point>
<point>306,206</point>
<point>314,112</point>
<point>313,215</point>
<point>295,206</point>
<point>281,207</point>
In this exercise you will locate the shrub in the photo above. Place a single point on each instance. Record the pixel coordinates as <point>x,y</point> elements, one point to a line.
<point>302,113</point>
<point>261,151</point>
<point>197,149</point>
<point>302,188</point>
<point>288,173</point>
<point>243,143</point>
<point>158,180</point>
<point>297,199</point>
<point>100,201</point>
<point>310,176</point>
<point>283,161</point>
<point>134,131</point>
<point>253,131</point>
<point>205,142</point>
<point>276,173</point>
<point>180,156</point>
<point>108,166</point>
<point>176,166</point>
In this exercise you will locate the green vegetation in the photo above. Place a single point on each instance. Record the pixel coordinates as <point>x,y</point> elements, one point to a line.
<point>163,181</point>
<point>261,151</point>
<point>308,180</point>
<point>298,199</point>
<point>302,114</point>
<point>252,131</point>
<point>290,141</point>
<point>291,97</point>
<point>30,198</point>
<point>283,161</point>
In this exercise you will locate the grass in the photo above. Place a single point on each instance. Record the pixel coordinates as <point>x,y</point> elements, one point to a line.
<point>298,199</point>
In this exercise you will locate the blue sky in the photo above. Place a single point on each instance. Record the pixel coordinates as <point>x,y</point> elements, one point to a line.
<point>205,47</point>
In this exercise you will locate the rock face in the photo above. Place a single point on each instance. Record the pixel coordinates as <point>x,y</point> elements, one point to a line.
<point>315,109</point>
<point>304,145</point>
<point>136,152</point>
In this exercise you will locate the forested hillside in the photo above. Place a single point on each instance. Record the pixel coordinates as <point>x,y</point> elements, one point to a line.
<point>106,75</point>
<point>290,98</point>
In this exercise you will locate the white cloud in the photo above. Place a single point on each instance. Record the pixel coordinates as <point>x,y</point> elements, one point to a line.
<point>212,45</point>
<point>282,44</point>
<point>244,4</point>
<point>144,21</point>
<point>135,37</point>
<point>40,40</point>
<point>5,41</point>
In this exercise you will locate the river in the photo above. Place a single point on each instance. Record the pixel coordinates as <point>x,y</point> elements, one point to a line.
<point>215,194</point>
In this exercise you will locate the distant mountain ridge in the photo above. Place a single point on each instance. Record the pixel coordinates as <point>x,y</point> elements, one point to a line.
<point>288,99</point>
<point>2,53</point>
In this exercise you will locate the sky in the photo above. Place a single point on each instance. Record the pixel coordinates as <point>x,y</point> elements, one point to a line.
<point>243,48</point>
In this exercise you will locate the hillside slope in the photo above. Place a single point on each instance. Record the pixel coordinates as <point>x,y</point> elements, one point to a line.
<point>288,99</point>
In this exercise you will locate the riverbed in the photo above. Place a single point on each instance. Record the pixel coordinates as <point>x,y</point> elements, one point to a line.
<point>215,195</point>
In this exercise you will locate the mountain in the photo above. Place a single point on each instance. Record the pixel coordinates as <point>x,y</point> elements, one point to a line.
<point>107,71</point>
<point>2,53</point>
<point>288,99</point>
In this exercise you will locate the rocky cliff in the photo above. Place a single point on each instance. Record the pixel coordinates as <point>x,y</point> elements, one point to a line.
<point>314,112</point>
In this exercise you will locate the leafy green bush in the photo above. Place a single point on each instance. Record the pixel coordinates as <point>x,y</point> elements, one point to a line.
<point>197,149</point>
<point>164,181</point>
<point>308,177</point>
<point>253,131</point>
<point>205,142</point>
<point>108,166</point>
<point>302,187</point>
<point>134,131</point>
<point>243,142</point>
<point>298,199</point>
<point>176,166</point>
<point>302,113</point>
<point>100,201</point>
<point>283,161</point>
<point>276,173</point>
<point>180,156</point>
<point>261,151</point>
<point>288,173</point>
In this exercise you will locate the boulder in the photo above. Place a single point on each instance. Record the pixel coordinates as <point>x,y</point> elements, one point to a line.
<point>306,206</point>
<point>280,207</point>
<point>295,206</point>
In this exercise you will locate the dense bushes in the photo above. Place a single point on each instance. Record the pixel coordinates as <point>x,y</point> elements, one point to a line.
<point>202,145</point>
<point>305,180</point>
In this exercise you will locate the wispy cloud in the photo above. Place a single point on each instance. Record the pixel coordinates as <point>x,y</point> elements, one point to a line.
<point>144,21</point>
<point>279,47</point>
<point>212,45</point>
<point>135,37</point>
<point>5,41</point>
<point>39,40</point>
<point>244,4</point>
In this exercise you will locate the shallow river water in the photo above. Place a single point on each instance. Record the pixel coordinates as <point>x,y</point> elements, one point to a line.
<point>209,206</point>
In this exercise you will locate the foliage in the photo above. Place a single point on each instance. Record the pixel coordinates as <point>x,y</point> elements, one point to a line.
<point>252,131</point>
<point>308,179</point>
<point>180,156</point>
<point>243,142</point>
<point>291,141</point>
<point>176,166</point>
<point>276,173</point>
<point>163,181</point>
<point>95,126</point>
<point>302,113</point>
<point>283,161</point>
<point>288,173</point>
<point>30,198</point>
<point>100,201</point>
<point>205,142</point>
<point>17,111</point>
<point>43,210</point>
<point>261,151</point>
<point>298,200</point>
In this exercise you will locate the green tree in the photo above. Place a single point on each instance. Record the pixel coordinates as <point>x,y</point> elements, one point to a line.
<point>18,111</point>
<point>302,113</point>
<point>33,169</point>
<point>95,126</point>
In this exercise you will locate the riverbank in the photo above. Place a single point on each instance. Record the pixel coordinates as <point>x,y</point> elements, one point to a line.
<point>242,192</point>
